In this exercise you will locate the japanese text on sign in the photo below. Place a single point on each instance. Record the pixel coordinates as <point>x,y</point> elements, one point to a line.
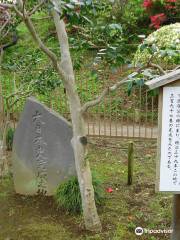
<point>170,141</point>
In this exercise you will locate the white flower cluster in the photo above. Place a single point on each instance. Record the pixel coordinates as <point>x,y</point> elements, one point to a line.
<point>8,1</point>
<point>164,40</point>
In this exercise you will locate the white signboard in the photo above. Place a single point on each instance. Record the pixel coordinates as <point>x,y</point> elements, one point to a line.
<point>170,141</point>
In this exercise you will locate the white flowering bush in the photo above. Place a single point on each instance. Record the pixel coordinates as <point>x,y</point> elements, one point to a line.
<point>161,47</point>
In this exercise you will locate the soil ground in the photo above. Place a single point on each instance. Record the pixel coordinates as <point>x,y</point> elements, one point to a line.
<point>127,207</point>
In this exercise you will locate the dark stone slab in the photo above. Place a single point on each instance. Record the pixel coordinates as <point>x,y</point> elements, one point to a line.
<point>42,152</point>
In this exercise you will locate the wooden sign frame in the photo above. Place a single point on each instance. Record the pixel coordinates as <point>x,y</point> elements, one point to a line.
<point>159,140</point>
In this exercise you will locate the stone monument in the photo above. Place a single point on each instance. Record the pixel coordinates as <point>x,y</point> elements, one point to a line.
<point>42,153</point>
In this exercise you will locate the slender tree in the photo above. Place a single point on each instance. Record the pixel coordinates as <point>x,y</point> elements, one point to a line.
<point>64,68</point>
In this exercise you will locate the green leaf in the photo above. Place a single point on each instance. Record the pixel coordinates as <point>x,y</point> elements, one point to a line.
<point>171,53</point>
<point>115,26</point>
<point>88,20</point>
<point>130,87</point>
<point>143,47</point>
<point>139,82</point>
<point>154,92</point>
<point>163,53</point>
<point>154,48</point>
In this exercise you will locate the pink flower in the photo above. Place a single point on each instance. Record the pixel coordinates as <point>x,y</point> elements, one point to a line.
<point>169,7</point>
<point>147,3</point>
<point>157,20</point>
<point>109,190</point>
<point>171,1</point>
<point>170,4</point>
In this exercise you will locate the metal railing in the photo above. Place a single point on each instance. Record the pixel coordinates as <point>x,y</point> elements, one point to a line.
<point>119,115</point>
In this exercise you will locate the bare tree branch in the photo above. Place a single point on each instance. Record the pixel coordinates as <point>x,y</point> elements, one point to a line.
<point>6,21</point>
<point>66,63</point>
<point>23,8</point>
<point>21,96</point>
<point>113,88</point>
<point>36,8</point>
<point>36,37</point>
<point>106,91</point>
<point>18,92</point>
<point>32,30</point>
<point>12,7</point>
<point>176,68</point>
<point>1,57</point>
<point>6,6</point>
<point>5,34</point>
<point>157,67</point>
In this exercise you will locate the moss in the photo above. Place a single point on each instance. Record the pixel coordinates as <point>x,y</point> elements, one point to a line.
<point>121,233</point>
<point>44,231</point>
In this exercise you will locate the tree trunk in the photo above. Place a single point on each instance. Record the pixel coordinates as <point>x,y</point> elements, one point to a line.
<point>65,70</point>
<point>92,221</point>
<point>3,128</point>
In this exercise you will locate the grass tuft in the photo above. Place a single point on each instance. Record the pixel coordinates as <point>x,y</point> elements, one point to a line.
<point>9,138</point>
<point>68,194</point>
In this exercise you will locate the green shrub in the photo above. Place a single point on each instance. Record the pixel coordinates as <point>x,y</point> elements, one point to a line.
<point>163,46</point>
<point>132,16</point>
<point>68,194</point>
<point>9,138</point>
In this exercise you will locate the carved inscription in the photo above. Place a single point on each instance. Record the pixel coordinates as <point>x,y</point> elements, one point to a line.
<point>39,148</point>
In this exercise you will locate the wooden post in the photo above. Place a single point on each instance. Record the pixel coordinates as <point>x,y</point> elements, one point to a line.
<point>130,162</point>
<point>176,218</point>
